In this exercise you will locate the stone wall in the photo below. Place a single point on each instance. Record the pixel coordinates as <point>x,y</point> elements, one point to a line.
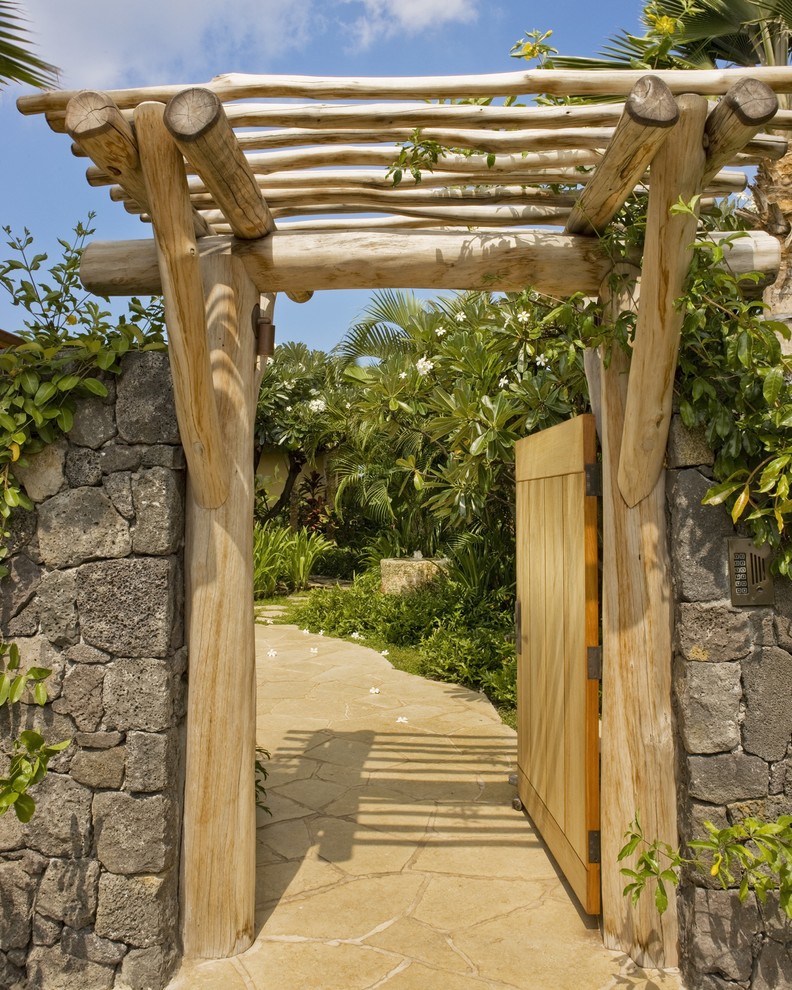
<point>88,889</point>
<point>733,699</point>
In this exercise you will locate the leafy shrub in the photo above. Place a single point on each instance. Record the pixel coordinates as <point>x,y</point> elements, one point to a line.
<point>341,562</point>
<point>283,558</point>
<point>480,659</point>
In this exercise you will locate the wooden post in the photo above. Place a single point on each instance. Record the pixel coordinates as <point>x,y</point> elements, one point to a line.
<point>649,114</point>
<point>177,255</point>
<point>638,743</point>
<point>676,173</point>
<point>219,847</point>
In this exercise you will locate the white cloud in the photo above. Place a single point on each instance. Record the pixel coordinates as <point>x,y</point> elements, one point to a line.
<point>113,43</point>
<point>386,18</point>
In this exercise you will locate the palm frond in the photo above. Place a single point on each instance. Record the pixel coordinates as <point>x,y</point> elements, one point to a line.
<point>17,62</point>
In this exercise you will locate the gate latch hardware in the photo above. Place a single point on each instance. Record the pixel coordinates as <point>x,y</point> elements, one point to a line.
<point>594,479</point>
<point>594,663</point>
<point>594,854</point>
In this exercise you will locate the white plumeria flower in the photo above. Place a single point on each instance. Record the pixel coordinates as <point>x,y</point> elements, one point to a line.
<point>385,653</point>
<point>272,653</point>
<point>314,391</point>
<point>349,405</point>
<point>523,317</point>
<point>317,405</point>
<point>541,361</point>
<point>441,331</point>
<point>356,635</point>
<point>401,718</point>
<point>270,360</point>
<point>321,632</point>
<point>314,650</point>
<point>503,382</point>
<point>423,366</point>
<point>288,408</point>
<point>460,317</point>
<point>305,632</point>
<point>402,374</point>
<point>374,690</point>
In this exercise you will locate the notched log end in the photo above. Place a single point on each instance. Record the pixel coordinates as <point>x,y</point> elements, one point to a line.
<point>752,102</point>
<point>191,113</point>
<point>652,103</point>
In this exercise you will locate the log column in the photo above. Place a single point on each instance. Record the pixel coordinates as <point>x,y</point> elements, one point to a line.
<point>638,739</point>
<point>219,851</point>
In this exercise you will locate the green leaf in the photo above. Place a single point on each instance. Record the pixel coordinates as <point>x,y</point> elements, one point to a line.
<point>65,419</point>
<point>739,506</point>
<point>661,897</point>
<point>44,393</point>
<point>773,386</point>
<point>95,386</point>
<point>31,740</point>
<point>40,693</point>
<point>24,806</point>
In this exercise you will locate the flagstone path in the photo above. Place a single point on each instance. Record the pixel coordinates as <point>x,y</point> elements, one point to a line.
<point>393,857</point>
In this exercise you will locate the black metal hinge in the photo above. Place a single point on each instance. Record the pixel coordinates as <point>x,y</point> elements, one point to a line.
<point>594,663</point>
<point>594,853</point>
<point>594,479</point>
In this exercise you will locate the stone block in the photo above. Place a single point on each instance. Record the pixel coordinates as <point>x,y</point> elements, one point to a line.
<point>714,633</point>
<point>83,467</point>
<point>57,603</point>
<point>115,457</point>
<point>12,833</point>
<point>68,891</point>
<point>727,777</point>
<point>708,705</point>
<point>50,968</point>
<point>767,728</point>
<point>118,487</point>
<point>25,624</point>
<point>99,768</point>
<point>129,607</point>
<point>94,423</point>
<point>86,945</point>
<point>401,575</point>
<point>18,587</point>
<point>83,653</point>
<point>149,969</point>
<point>37,651</point>
<point>11,976</point>
<point>46,931</point>
<point>773,967</point>
<point>17,892</point>
<point>80,525</point>
<point>134,834</point>
<point>22,525</point>
<point>151,761</point>
<point>783,609</point>
<point>723,933</point>
<point>81,696</point>
<point>138,695</point>
<point>61,825</point>
<point>164,455</point>
<point>145,410</point>
<point>159,512</point>
<point>698,534</point>
<point>44,474</point>
<point>687,448</point>
<point>141,910</point>
<point>98,740</point>
<point>781,777</point>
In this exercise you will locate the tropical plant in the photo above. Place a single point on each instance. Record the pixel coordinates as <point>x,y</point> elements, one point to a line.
<point>283,557</point>
<point>17,62</point>
<point>759,852</point>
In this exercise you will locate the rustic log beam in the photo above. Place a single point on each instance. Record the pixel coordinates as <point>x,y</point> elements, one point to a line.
<point>106,136</point>
<point>180,275</point>
<point>638,757</point>
<point>198,124</point>
<point>300,297</point>
<point>375,259</point>
<point>737,118</point>
<point>219,839</point>
<point>678,169</point>
<point>649,114</point>
<point>554,82</point>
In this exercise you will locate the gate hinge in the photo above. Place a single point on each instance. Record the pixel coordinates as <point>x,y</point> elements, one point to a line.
<point>594,479</point>
<point>594,855</point>
<point>594,663</point>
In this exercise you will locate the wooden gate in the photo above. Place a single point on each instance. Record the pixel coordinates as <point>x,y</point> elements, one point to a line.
<point>557,640</point>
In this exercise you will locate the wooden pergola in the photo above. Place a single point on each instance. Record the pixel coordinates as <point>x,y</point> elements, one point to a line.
<point>249,197</point>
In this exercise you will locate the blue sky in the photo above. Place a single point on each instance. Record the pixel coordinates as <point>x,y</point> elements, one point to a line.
<point>105,44</point>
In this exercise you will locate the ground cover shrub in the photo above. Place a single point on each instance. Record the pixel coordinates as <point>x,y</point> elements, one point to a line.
<point>460,636</point>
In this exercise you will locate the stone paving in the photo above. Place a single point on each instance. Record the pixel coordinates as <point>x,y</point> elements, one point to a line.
<point>393,857</point>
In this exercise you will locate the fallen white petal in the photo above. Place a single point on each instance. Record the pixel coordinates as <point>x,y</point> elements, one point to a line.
<point>401,718</point>
<point>374,690</point>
